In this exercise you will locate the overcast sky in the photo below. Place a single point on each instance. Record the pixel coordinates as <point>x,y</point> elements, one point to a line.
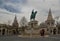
<point>8,9</point>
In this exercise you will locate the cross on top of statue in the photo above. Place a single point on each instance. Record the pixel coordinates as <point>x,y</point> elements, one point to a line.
<point>33,15</point>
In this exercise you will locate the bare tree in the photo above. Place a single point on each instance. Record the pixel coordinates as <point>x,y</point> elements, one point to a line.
<point>9,22</point>
<point>23,21</point>
<point>57,19</point>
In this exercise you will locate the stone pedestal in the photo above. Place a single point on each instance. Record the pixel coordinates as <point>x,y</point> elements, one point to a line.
<point>33,24</point>
<point>32,29</point>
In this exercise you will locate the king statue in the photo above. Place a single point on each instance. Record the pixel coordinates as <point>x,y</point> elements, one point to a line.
<point>33,15</point>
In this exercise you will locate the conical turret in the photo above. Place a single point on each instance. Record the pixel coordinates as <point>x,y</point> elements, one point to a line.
<point>50,15</point>
<point>15,22</point>
<point>50,21</point>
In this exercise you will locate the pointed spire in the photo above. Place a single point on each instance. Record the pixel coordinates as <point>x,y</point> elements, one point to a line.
<point>50,15</point>
<point>15,22</point>
<point>15,19</point>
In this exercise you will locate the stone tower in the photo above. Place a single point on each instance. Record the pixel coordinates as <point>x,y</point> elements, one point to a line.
<point>50,21</point>
<point>52,29</point>
<point>15,26</point>
<point>15,22</point>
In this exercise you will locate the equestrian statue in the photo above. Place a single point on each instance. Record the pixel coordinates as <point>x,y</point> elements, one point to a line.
<point>33,14</point>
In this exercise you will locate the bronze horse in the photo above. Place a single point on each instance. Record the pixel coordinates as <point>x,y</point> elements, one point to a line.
<point>33,14</point>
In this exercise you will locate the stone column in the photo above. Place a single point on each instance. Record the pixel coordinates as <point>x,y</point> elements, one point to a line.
<point>56,30</point>
<point>5,31</point>
<point>1,31</point>
<point>52,31</point>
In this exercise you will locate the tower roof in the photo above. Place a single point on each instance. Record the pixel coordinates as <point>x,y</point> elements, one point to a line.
<point>15,22</point>
<point>50,17</point>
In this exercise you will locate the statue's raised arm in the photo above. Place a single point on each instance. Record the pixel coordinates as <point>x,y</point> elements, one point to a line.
<point>33,15</point>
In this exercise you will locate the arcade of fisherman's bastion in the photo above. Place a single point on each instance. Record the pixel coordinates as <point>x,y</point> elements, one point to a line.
<point>33,29</point>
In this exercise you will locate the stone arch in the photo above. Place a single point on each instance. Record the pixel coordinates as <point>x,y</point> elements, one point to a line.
<point>3,31</point>
<point>42,32</point>
<point>14,32</point>
<point>54,31</point>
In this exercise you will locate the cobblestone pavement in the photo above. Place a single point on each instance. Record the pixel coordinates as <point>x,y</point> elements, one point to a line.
<point>15,38</point>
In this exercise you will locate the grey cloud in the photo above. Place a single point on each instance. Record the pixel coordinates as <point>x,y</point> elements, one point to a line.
<point>9,7</point>
<point>16,1</point>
